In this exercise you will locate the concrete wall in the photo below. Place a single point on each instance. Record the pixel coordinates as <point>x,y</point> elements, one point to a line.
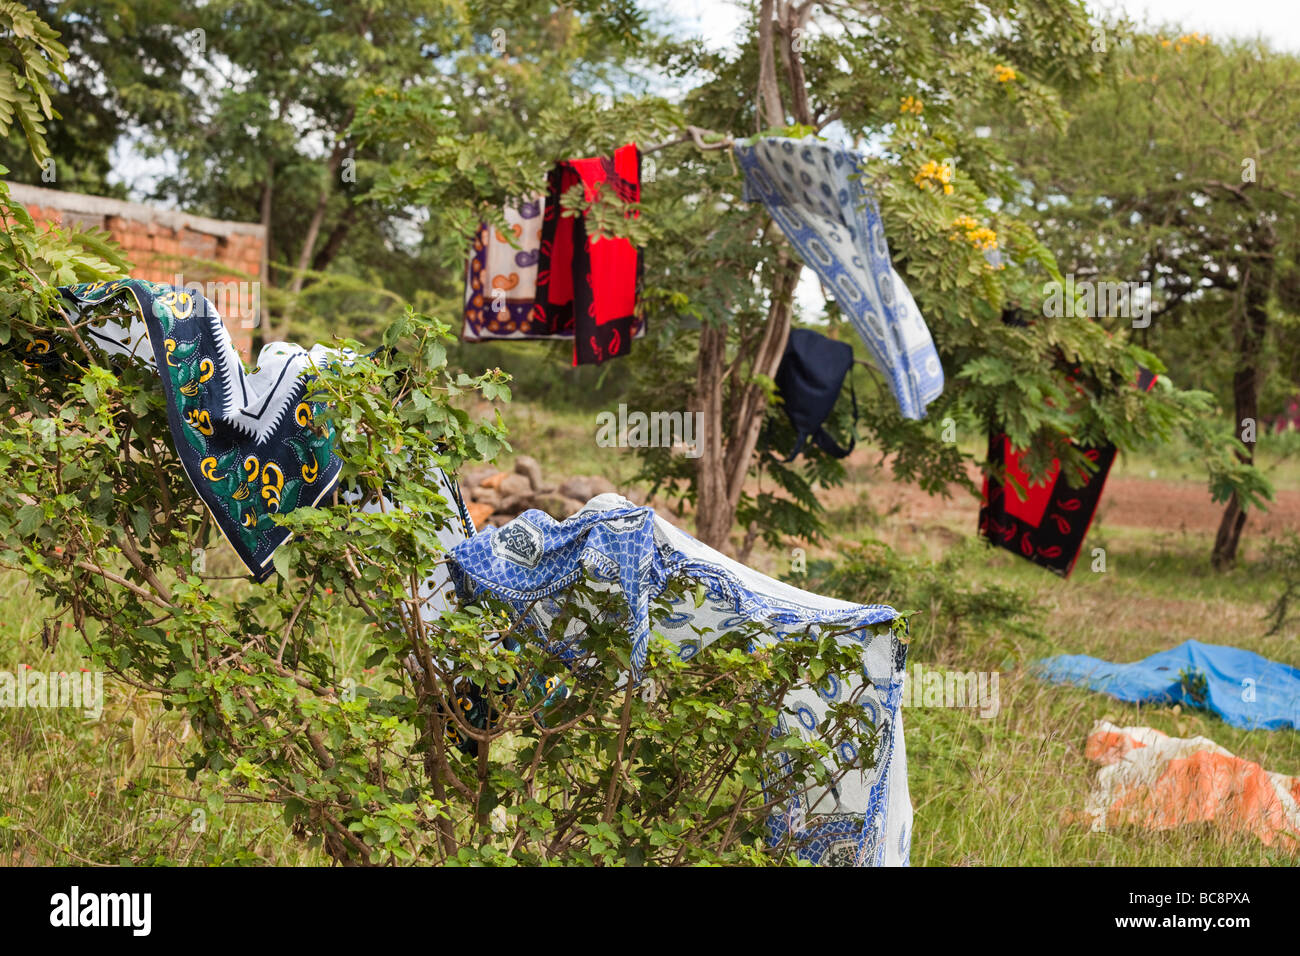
<point>226,258</point>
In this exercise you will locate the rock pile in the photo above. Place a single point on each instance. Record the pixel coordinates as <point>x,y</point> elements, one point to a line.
<point>494,497</point>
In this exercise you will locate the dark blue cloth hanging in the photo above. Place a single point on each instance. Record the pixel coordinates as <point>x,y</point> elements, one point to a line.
<point>809,381</point>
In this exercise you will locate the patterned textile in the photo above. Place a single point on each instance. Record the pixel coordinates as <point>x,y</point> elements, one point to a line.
<point>562,282</point>
<point>501,281</point>
<point>247,440</point>
<point>1158,782</point>
<point>1049,526</point>
<point>815,194</point>
<point>866,817</point>
<point>1241,687</point>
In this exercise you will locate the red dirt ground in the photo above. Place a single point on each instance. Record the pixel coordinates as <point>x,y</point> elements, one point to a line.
<point>1129,502</point>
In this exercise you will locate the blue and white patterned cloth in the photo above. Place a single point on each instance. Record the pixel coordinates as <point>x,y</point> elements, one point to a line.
<point>865,818</point>
<point>815,193</point>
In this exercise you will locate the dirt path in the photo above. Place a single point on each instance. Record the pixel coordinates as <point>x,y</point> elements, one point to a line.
<point>1129,502</point>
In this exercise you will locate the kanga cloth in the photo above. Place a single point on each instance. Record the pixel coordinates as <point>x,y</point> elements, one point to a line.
<point>551,278</point>
<point>866,818</point>
<point>1241,687</point>
<point>501,280</point>
<point>1050,524</point>
<point>815,194</point>
<point>248,441</point>
<point>1158,782</point>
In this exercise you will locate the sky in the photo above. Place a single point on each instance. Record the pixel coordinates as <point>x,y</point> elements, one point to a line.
<point>1277,20</point>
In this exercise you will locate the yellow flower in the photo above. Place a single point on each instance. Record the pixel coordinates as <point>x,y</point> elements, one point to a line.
<point>981,237</point>
<point>911,104</point>
<point>1004,74</point>
<point>938,173</point>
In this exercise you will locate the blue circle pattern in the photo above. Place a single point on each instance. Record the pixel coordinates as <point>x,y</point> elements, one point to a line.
<point>533,559</point>
<point>858,271</point>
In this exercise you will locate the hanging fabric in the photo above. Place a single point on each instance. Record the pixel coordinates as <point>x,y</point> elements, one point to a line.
<point>865,818</point>
<point>809,381</point>
<point>1047,526</point>
<point>563,281</point>
<point>248,441</point>
<point>815,194</point>
<point>501,279</point>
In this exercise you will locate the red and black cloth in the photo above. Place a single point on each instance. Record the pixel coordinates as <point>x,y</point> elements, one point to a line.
<point>586,282</point>
<point>1049,527</point>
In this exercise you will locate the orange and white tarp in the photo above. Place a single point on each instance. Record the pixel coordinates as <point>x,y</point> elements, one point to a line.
<point>1152,780</point>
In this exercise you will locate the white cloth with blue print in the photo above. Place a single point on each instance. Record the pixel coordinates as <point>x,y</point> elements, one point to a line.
<point>865,819</point>
<point>815,193</point>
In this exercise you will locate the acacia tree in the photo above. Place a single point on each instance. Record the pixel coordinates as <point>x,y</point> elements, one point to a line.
<point>1179,172</point>
<point>916,84</point>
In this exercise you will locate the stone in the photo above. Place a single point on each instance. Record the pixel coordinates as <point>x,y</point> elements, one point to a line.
<point>490,496</point>
<point>527,466</point>
<point>579,488</point>
<point>557,506</point>
<point>515,504</point>
<point>515,485</point>
<point>479,512</point>
<point>493,481</point>
<point>476,476</point>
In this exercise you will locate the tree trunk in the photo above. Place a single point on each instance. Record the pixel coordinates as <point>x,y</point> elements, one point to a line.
<point>713,517</point>
<point>1249,334</point>
<point>724,462</point>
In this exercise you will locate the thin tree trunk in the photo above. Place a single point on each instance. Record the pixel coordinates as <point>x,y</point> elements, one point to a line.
<point>713,517</point>
<point>770,111</point>
<point>1250,332</point>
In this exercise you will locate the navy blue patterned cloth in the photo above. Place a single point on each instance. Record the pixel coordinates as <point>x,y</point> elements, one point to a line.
<point>248,441</point>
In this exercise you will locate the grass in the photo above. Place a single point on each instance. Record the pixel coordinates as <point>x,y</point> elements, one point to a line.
<point>1002,791</point>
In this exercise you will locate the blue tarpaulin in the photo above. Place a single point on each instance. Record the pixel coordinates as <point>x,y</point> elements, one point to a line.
<point>1244,689</point>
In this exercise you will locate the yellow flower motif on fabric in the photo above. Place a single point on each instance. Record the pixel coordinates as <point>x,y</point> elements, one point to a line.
<point>1004,74</point>
<point>272,485</point>
<point>938,174</point>
<point>252,468</point>
<point>200,419</point>
<point>311,472</point>
<point>981,237</point>
<point>206,370</point>
<point>180,303</point>
<point>302,414</point>
<point>250,520</point>
<point>911,104</point>
<point>208,468</point>
<point>170,345</point>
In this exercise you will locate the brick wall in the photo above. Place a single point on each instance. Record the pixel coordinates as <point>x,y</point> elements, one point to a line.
<point>226,258</point>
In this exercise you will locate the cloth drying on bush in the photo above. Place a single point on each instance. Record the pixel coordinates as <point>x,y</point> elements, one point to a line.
<point>564,281</point>
<point>815,194</point>
<point>248,441</point>
<point>1151,780</point>
<point>809,380</point>
<point>1244,689</point>
<point>866,817</point>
